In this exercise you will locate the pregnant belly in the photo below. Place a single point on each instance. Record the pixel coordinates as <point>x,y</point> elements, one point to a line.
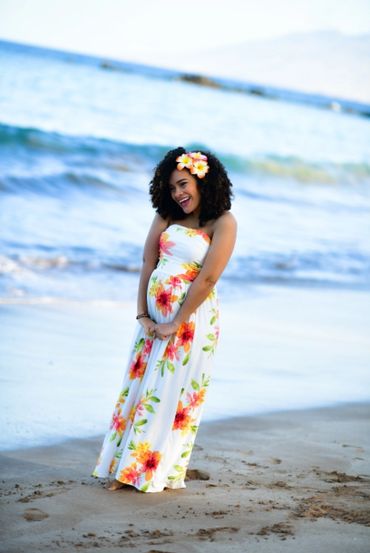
<point>165,295</point>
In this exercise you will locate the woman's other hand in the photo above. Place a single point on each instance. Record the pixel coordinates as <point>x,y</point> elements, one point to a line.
<point>148,326</point>
<point>165,330</point>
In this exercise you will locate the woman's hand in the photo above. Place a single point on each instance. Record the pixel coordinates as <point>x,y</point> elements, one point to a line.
<point>148,326</point>
<point>165,330</point>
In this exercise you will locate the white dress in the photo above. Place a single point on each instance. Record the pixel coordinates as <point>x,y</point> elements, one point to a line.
<point>155,420</point>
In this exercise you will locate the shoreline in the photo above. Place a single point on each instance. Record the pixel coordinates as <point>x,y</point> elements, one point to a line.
<point>223,420</point>
<point>290,481</point>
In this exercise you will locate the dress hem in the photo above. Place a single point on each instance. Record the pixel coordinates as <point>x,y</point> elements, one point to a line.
<point>167,485</point>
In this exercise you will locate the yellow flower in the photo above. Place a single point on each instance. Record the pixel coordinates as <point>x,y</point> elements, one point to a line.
<point>141,451</point>
<point>200,168</point>
<point>184,161</point>
<point>198,156</point>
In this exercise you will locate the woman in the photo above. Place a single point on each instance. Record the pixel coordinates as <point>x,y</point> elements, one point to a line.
<point>189,243</point>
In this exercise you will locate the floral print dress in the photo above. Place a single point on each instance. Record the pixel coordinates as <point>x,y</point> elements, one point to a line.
<point>156,417</point>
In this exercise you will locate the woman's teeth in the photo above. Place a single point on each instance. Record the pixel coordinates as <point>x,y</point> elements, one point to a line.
<point>184,202</point>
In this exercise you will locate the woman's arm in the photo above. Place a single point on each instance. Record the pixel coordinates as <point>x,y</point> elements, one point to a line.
<point>219,253</point>
<point>150,258</point>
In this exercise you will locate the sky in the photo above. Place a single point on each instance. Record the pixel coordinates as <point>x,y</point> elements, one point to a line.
<point>131,29</point>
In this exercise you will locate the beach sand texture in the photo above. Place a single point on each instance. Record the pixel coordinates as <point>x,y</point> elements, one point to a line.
<point>295,481</point>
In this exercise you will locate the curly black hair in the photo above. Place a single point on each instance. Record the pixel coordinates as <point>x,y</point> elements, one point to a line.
<point>215,189</point>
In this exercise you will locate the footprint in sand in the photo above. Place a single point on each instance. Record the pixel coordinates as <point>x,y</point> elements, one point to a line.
<point>358,448</point>
<point>209,533</point>
<point>195,474</point>
<point>275,461</point>
<point>34,514</point>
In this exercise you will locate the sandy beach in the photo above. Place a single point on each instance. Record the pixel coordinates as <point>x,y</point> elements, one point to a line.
<point>288,481</point>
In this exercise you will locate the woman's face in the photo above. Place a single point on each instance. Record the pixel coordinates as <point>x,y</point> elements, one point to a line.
<point>184,191</point>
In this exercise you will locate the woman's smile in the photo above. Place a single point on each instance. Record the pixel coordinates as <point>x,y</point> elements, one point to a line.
<point>184,190</point>
<point>184,202</point>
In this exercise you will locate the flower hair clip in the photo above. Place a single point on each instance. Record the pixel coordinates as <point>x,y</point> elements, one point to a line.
<point>196,162</point>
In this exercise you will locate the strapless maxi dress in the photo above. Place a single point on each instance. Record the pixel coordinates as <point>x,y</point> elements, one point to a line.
<point>156,417</point>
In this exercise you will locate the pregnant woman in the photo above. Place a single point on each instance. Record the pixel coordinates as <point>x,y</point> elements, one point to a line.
<point>158,410</point>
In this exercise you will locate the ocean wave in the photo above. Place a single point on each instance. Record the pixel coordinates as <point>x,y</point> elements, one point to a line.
<point>19,264</point>
<point>336,267</point>
<point>55,184</point>
<point>122,156</point>
<point>39,140</point>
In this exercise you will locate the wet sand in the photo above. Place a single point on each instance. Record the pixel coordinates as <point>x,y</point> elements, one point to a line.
<point>295,481</point>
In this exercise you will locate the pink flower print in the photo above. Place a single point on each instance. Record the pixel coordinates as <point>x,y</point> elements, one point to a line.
<point>171,352</point>
<point>147,346</point>
<point>174,281</point>
<point>196,398</point>
<point>118,422</point>
<point>165,244</point>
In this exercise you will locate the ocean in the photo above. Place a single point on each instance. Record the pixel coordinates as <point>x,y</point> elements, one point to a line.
<point>78,144</point>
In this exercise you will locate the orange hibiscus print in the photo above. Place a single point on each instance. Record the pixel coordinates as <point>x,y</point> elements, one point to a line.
<point>185,335</point>
<point>147,458</point>
<point>191,271</point>
<point>164,299</point>
<point>182,419</point>
<point>137,368</point>
<point>130,475</point>
<point>150,463</point>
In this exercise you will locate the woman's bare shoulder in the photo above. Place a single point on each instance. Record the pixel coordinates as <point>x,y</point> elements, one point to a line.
<point>159,224</point>
<point>225,221</point>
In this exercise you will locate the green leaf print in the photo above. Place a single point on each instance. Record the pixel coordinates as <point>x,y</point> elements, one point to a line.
<point>145,487</point>
<point>195,385</point>
<point>214,317</point>
<point>160,365</point>
<point>186,359</point>
<point>139,344</point>
<point>149,408</point>
<point>132,445</point>
<point>207,348</point>
<point>155,399</point>
<point>205,381</point>
<point>211,347</point>
<point>162,261</point>
<point>170,367</point>
<point>181,471</point>
<point>187,451</point>
<point>113,436</point>
<point>138,424</point>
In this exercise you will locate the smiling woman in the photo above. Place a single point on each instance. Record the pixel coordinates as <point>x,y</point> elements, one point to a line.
<point>158,410</point>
